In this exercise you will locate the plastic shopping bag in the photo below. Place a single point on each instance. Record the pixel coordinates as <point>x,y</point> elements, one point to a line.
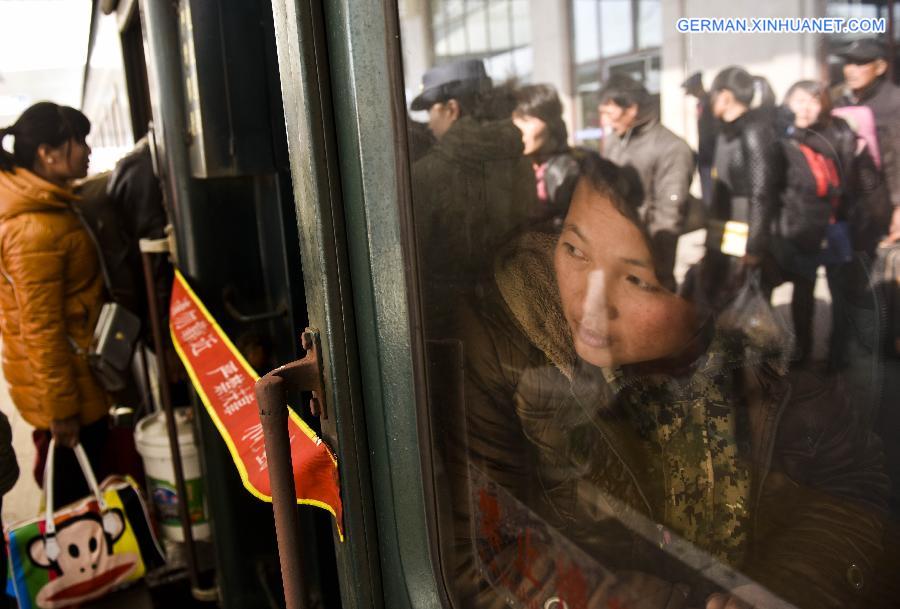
<point>751,318</point>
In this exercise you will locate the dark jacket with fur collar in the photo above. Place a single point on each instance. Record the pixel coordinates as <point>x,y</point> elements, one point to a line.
<point>540,423</point>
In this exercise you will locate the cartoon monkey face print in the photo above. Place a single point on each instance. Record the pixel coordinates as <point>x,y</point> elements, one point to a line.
<point>86,567</point>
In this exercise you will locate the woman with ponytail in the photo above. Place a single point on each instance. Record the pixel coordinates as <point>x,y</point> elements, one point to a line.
<point>747,170</point>
<point>51,290</point>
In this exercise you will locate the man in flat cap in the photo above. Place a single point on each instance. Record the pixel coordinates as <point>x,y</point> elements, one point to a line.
<point>869,84</point>
<point>449,91</point>
<point>470,190</point>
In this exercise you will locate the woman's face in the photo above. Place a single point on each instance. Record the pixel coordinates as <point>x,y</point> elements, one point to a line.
<point>806,108</point>
<point>616,309</point>
<point>534,132</point>
<point>720,101</point>
<point>69,161</point>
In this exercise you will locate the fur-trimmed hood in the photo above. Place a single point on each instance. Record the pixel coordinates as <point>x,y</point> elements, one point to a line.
<point>526,281</point>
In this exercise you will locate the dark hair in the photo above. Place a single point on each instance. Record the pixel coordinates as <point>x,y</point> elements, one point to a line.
<point>621,185</point>
<point>490,104</point>
<point>765,95</point>
<point>541,101</point>
<point>737,80</point>
<point>43,123</point>
<point>817,90</point>
<point>624,91</point>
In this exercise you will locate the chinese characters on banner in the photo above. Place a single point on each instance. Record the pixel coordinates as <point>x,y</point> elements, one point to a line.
<point>224,381</point>
<point>527,561</point>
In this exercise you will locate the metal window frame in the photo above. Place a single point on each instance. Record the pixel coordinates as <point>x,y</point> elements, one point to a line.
<point>345,115</point>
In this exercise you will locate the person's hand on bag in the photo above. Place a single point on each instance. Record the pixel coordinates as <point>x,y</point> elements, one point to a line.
<point>65,431</point>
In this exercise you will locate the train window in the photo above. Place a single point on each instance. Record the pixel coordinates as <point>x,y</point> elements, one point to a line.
<point>657,258</point>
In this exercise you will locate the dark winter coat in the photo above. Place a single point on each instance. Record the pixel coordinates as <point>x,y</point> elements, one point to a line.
<point>539,424</point>
<point>121,208</point>
<point>747,176</point>
<point>883,97</point>
<point>470,191</point>
<point>804,211</point>
<point>9,467</point>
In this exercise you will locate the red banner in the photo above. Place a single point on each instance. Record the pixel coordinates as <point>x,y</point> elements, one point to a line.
<point>224,380</point>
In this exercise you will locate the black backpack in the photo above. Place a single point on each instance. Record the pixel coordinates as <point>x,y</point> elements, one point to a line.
<point>810,199</point>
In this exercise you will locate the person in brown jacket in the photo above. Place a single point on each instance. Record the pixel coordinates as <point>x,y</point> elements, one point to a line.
<point>51,291</point>
<point>620,450</point>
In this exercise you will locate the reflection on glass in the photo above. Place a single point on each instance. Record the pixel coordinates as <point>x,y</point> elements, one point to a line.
<point>616,35</point>
<point>500,24</point>
<point>638,397</point>
<point>650,24</point>
<point>476,24</point>
<point>521,15</point>
<point>587,34</point>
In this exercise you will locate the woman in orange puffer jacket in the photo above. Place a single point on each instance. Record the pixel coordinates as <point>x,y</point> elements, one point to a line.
<point>51,291</point>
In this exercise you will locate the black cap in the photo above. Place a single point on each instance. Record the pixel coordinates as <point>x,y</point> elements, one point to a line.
<point>441,83</point>
<point>865,50</point>
<point>693,82</point>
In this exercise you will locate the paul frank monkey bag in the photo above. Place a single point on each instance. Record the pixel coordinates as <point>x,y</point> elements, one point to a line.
<point>84,550</point>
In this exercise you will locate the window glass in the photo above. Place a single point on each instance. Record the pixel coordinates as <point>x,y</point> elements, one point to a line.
<point>659,302</point>
<point>500,25</point>
<point>587,32</point>
<point>616,26</point>
<point>476,24</point>
<point>650,24</point>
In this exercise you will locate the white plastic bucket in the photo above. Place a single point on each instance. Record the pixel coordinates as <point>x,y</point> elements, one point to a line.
<point>153,445</point>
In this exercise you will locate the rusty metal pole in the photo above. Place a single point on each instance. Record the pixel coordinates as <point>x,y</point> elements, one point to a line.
<point>166,399</point>
<point>273,414</point>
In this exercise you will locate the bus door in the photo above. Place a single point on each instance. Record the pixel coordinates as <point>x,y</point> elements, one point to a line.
<point>504,440</point>
<point>222,159</point>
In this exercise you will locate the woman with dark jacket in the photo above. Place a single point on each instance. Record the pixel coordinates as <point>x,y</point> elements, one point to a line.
<point>623,451</point>
<point>745,191</point>
<point>51,291</point>
<point>538,115</point>
<point>824,178</point>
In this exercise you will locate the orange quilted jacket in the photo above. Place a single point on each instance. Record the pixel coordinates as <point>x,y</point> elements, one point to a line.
<point>51,291</point>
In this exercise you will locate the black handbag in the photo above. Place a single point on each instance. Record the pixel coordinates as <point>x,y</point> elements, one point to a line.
<point>112,347</point>
<point>117,330</point>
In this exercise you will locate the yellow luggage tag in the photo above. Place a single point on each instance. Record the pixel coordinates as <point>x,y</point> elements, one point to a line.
<point>734,238</point>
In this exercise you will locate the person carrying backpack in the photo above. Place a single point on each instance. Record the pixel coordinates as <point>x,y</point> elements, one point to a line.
<point>827,175</point>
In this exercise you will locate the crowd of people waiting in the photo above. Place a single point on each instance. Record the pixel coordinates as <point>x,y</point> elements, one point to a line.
<point>584,372</point>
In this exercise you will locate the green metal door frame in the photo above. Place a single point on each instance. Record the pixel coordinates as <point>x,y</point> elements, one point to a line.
<point>345,116</point>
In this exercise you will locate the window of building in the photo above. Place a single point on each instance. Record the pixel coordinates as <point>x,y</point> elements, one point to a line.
<point>496,30</point>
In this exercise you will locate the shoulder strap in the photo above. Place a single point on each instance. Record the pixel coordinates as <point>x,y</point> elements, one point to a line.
<point>101,260</point>
<point>823,170</point>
